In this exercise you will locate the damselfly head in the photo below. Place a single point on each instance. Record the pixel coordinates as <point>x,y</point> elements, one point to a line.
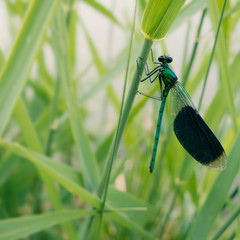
<point>165,59</point>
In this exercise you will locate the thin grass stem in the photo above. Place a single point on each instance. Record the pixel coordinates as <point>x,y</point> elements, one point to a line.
<point>226,224</point>
<point>52,128</point>
<point>186,75</point>
<point>212,53</point>
<point>117,136</point>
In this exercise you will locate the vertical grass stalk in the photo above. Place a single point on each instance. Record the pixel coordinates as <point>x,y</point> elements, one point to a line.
<point>128,105</point>
<point>186,74</point>
<point>52,126</point>
<point>85,154</point>
<point>212,53</point>
<point>123,117</point>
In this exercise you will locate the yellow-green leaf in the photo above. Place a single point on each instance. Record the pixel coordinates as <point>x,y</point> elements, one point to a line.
<point>159,16</point>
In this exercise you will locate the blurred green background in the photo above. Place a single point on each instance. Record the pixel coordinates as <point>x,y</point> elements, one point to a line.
<point>63,65</point>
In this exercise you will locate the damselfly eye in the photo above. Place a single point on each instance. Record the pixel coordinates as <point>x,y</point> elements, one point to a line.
<point>165,59</point>
<point>168,59</point>
<point>161,59</point>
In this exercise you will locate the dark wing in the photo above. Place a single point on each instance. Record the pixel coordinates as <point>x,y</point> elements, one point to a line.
<point>192,132</point>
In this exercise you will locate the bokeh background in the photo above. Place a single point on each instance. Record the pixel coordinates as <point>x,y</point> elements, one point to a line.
<point>61,100</point>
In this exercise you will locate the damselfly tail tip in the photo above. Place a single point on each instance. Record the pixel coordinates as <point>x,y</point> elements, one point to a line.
<point>151,168</point>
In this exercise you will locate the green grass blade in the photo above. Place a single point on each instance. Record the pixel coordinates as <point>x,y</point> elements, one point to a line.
<point>232,10</point>
<point>57,171</point>
<point>101,9</point>
<point>204,220</point>
<point>15,228</point>
<point>14,74</point>
<point>97,61</point>
<point>32,139</point>
<point>218,24</point>
<point>118,199</point>
<point>69,178</point>
<point>187,12</point>
<point>181,196</point>
<point>101,68</point>
<point>215,113</point>
<point>186,75</point>
<point>52,127</point>
<point>89,165</point>
<point>27,128</point>
<point>128,103</point>
<point>131,225</point>
<point>112,73</point>
<point>221,51</point>
<point>226,224</point>
<point>113,152</point>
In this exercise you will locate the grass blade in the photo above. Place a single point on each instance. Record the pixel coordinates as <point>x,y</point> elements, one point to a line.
<point>89,165</point>
<point>101,9</point>
<point>222,59</point>
<point>204,221</point>
<point>15,228</point>
<point>129,101</point>
<point>113,152</point>
<point>14,74</point>
<point>62,173</point>
<point>32,139</point>
<point>27,128</point>
<point>69,178</point>
<point>228,222</point>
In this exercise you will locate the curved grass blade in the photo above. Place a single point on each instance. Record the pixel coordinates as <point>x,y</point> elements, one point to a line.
<point>187,12</point>
<point>211,208</point>
<point>15,228</point>
<point>18,65</point>
<point>227,223</point>
<point>101,9</point>
<point>69,178</point>
<point>86,156</point>
<point>221,52</point>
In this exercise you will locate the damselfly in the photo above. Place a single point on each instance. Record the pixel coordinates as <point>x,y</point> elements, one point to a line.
<point>190,129</point>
